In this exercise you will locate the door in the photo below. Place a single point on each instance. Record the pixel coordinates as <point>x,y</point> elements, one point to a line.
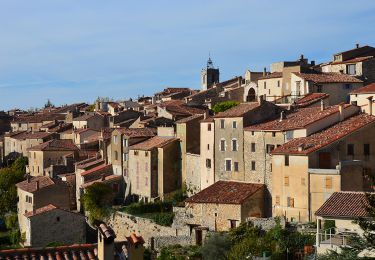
<point>324,160</point>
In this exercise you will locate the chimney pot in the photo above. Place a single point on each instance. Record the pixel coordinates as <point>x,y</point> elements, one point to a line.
<point>357,45</point>
<point>322,106</point>
<point>300,148</point>
<point>260,100</point>
<point>370,105</point>
<point>282,116</point>
<point>264,71</point>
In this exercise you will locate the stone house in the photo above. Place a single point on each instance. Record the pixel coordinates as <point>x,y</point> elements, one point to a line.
<point>47,224</point>
<point>225,205</point>
<point>52,152</point>
<point>344,208</point>
<point>207,152</point>
<point>229,141</point>
<point>364,98</point>
<point>124,118</point>
<point>261,139</point>
<point>337,85</point>
<point>82,136</point>
<point>188,131</point>
<point>359,62</point>
<point>154,168</point>
<point>33,122</point>
<point>38,192</point>
<point>307,170</point>
<point>177,109</point>
<point>92,121</point>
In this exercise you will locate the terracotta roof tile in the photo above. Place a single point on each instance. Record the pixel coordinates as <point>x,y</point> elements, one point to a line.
<point>310,99</point>
<point>238,111</point>
<point>272,75</point>
<point>190,118</point>
<point>309,144</point>
<point>368,89</point>
<point>354,60</point>
<point>328,77</point>
<point>155,142</point>
<point>31,184</point>
<point>136,132</point>
<point>297,119</point>
<point>40,210</point>
<point>105,179</point>
<point>225,192</point>
<point>56,145</point>
<point>344,204</point>
<point>104,168</point>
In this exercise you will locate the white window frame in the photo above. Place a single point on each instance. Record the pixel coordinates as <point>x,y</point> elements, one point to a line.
<point>225,164</point>
<point>234,139</point>
<point>234,124</point>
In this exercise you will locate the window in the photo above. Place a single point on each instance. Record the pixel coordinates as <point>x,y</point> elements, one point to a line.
<point>234,145</point>
<point>116,155</point>
<point>115,139</point>
<point>208,147</point>
<point>126,142</point>
<point>222,123</point>
<point>209,127</point>
<point>233,223</point>
<point>252,132</point>
<point>135,152</point>
<point>264,85</point>
<point>350,69</point>
<point>270,147</point>
<point>319,88</point>
<point>228,165</point>
<point>328,182</point>
<point>277,202</point>
<point>286,181</point>
<point>34,155</point>
<point>58,219</point>
<point>286,158</point>
<point>270,167</point>
<point>253,165</point>
<point>222,145</point>
<point>350,149</point>
<point>303,181</point>
<point>290,202</point>
<point>252,147</point>
<point>269,92</point>
<point>208,163</point>
<point>366,149</point>
<point>273,134</point>
<point>146,167</point>
<point>115,187</point>
<point>146,153</point>
<point>234,124</point>
<point>235,166</point>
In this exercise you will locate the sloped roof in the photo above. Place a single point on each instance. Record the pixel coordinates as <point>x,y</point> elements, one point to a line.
<point>272,75</point>
<point>309,144</point>
<point>310,99</point>
<point>190,118</point>
<point>297,119</point>
<point>103,168</point>
<point>31,184</point>
<point>154,142</point>
<point>225,192</point>
<point>344,204</point>
<point>136,132</point>
<point>368,89</point>
<point>354,60</point>
<point>238,111</point>
<point>330,77</point>
<point>56,145</point>
<point>41,210</point>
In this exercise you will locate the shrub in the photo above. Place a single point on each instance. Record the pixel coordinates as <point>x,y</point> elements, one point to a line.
<point>140,207</point>
<point>222,106</point>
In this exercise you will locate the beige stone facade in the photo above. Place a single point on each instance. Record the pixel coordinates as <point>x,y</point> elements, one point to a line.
<point>207,152</point>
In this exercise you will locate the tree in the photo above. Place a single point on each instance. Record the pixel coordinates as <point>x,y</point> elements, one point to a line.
<point>9,177</point>
<point>48,104</point>
<point>97,202</point>
<point>216,246</point>
<point>222,106</point>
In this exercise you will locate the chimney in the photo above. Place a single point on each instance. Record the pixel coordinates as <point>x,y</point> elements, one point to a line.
<point>312,63</point>
<point>300,148</point>
<point>301,58</point>
<point>282,116</point>
<point>106,237</point>
<point>260,100</point>
<point>341,111</point>
<point>322,106</point>
<point>37,185</point>
<point>357,45</point>
<point>370,105</point>
<point>264,71</point>
<point>28,178</point>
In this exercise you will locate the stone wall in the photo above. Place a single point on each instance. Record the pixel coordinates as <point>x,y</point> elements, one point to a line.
<point>193,174</point>
<point>267,223</point>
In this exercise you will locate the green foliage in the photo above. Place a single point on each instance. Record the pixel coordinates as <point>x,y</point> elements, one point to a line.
<point>48,104</point>
<point>216,246</point>
<point>160,212</point>
<point>11,221</point>
<point>178,252</point>
<point>222,106</point>
<point>328,224</point>
<point>9,177</point>
<point>91,108</point>
<point>368,224</point>
<point>97,201</point>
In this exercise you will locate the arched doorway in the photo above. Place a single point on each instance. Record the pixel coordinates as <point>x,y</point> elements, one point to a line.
<point>250,95</point>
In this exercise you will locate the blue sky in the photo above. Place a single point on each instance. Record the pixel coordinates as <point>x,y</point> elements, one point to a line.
<point>71,51</point>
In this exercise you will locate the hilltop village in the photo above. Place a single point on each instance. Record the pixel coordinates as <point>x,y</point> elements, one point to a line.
<point>292,145</point>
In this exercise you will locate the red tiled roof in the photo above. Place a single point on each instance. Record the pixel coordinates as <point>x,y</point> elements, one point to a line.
<point>84,117</point>
<point>345,204</point>
<point>106,133</point>
<point>368,89</point>
<point>225,192</point>
<point>327,77</point>
<point>190,118</point>
<point>40,210</point>
<point>56,145</point>
<point>309,144</point>
<point>154,142</point>
<point>107,179</point>
<point>238,111</point>
<point>354,60</point>
<point>297,119</point>
<point>272,75</point>
<point>311,98</point>
<point>136,132</point>
<point>31,185</point>
<point>98,169</point>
